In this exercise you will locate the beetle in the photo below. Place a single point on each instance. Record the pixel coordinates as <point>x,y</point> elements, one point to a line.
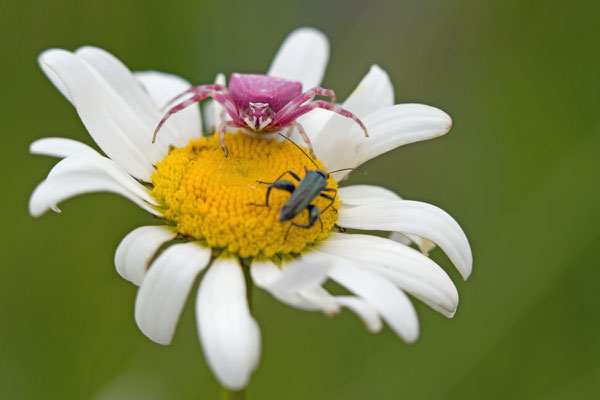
<point>312,185</point>
<point>261,103</point>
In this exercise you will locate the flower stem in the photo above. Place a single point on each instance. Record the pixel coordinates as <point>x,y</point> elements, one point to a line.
<point>233,394</point>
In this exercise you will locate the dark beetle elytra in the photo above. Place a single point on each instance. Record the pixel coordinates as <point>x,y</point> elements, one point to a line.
<point>263,104</point>
<point>312,185</point>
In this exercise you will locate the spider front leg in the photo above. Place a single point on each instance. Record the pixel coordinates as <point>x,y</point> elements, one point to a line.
<point>217,92</point>
<point>221,131</point>
<point>303,135</point>
<point>306,96</point>
<point>287,118</point>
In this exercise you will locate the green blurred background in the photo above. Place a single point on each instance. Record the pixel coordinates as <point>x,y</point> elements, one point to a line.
<point>522,83</point>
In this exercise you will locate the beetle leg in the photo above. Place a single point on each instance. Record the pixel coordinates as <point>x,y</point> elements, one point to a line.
<point>281,184</point>
<point>292,115</point>
<point>332,198</point>
<point>313,215</point>
<point>292,173</point>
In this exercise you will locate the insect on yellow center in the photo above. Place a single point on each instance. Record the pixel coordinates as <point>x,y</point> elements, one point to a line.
<point>210,197</point>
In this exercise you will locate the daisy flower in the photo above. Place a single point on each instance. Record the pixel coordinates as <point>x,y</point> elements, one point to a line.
<point>206,203</point>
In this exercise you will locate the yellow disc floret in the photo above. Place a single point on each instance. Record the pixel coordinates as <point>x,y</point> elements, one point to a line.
<point>210,197</point>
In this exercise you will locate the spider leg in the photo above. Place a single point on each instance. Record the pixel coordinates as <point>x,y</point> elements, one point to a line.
<point>221,131</point>
<point>303,135</point>
<point>292,115</point>
<point>306,96</point>
<point>289,131</point>
<point>217,92</point>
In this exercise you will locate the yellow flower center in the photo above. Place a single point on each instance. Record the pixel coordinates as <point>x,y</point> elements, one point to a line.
<point>211,197</point>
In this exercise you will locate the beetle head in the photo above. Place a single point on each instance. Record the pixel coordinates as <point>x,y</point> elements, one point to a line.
<point>258,116</point>
<point>322,173</point>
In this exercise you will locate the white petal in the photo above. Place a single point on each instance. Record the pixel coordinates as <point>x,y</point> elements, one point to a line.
<point>74,176</point>
<point>357,195</point>
<point>388,128</point>
<point>416,218</point>
<point>120,79</point>
<point>229,335</point>
<point>130,105</point>
<point>408,269</point>
<point>266,273</point>
<point>137,249</point>
<point>393,305</point>
<point>365,311</point>
<point>61,147</point>
<point>304,272</point>
<point>165,288</point>
<point>105,118</point>
<point>303,57</point>
<point>162,88</point>
<point>373,93</point>
<point>406,238</point>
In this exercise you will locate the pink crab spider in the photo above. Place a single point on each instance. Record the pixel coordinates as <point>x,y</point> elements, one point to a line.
<point>263,104</point>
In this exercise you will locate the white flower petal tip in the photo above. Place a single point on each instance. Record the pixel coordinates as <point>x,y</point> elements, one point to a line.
<point>44,61</point>
<point>229,334</point>
<point>416,218</point>
<point>390,302</point>
<point>77,175</point>
<point>405,267</point>
<point>303,57</point>
<point>137,249</point>
<point>398,125</point>
<point>107,116</point>
<point>365,311</point>
<point>164,290</point>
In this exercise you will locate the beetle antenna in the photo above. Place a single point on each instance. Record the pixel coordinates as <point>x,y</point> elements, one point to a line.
<point>299,148</point>
<point>348,169</point>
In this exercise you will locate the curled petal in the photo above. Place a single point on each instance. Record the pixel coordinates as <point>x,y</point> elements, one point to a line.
<point>137,249</point>
<point>165,288</point>
<point>391,303</point>
<point>358,195</point>
<point>74,176</point>
<point>265,274</point>
<point>410,270</point>
<point>90,158</point>
<point>415,218</point>
<point>104,114</point>
<point>388,128</point>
